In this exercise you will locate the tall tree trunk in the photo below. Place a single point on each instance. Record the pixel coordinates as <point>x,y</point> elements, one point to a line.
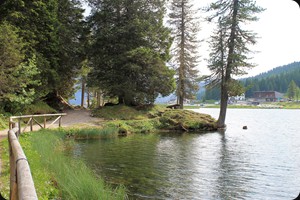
<point>228,71</point>
<point>82,92</point>
<point>223,107</point>
<point>182,59</point>
<point>121,99</point>
<point>98,94</point>
<point>88,97</point>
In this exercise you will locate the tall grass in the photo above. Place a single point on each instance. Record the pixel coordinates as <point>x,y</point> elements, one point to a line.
<point>3,122</point>
<point>91,133</point>
<point>73,178</point>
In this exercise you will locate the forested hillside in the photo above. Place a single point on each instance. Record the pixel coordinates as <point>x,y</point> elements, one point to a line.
<point>277,79</point>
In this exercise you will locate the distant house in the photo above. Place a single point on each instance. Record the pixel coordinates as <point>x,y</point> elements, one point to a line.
<point>235,99</point>
<point>267,96</point>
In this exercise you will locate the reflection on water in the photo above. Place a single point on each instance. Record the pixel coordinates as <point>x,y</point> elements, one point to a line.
<point>262,162</point>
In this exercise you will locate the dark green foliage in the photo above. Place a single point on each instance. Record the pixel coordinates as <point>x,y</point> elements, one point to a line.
<point>17,74</point>
<point>51,31</point>
<point>129,49</point>
<point>293,90</point>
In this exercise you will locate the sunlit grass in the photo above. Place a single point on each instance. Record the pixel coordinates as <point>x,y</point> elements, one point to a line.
<point>56,175</point>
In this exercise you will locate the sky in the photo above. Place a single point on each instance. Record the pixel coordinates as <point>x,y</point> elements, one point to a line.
<point>278,30</point>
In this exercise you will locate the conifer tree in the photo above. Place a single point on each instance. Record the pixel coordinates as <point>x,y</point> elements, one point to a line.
<point>51,29</point>
<point>292,90</point>
<point>183,20</point>
<point>232,16</point>
<point>129,50</point>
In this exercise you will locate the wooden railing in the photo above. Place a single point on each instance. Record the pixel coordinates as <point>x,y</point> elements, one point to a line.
<point>33,119</point>
<point>21,182</point>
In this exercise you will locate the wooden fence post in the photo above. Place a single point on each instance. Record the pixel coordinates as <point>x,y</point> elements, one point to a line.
<point>31,124</point>
<point>59,121</point>
<point>19,126</point>
<point>45,121</point>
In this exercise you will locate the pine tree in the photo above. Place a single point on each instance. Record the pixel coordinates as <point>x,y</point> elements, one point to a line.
<point>292,90</point>
<point>129,50</point>
<point>183,20</point>
<point>17,74</point>
<point>232,17</point>
<point>51,29</point>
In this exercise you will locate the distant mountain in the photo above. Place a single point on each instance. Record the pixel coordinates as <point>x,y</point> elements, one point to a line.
<point>276,79</point>
<point>279,70</point>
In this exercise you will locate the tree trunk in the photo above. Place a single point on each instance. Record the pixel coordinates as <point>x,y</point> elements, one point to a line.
<point>121,99</point>
<point>88,97</point>
<point>82,92</point>
<point>98,94</point>
<point>182,59</point>
<point>223,107</point>
<point>229,67</point>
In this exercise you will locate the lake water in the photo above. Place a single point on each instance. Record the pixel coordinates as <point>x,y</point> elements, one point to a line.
<point>262,162</point>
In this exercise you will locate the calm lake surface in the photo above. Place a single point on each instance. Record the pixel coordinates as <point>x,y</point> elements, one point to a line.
<point>262,162</point>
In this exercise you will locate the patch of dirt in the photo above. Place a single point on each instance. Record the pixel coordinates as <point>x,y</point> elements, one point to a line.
<point>75,117</point>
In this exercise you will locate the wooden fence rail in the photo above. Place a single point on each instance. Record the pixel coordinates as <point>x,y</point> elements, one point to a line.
<point>33,119</point>
<point>21,182</point>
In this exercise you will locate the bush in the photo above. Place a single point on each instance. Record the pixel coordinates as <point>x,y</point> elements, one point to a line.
<point>39,107</point>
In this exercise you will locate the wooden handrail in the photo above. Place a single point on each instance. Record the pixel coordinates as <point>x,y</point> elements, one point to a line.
<point>32,119</point>
<point>21,182</point>
<point>42,115</point>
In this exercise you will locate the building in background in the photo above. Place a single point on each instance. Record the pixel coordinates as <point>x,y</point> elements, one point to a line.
<point>268,96</point>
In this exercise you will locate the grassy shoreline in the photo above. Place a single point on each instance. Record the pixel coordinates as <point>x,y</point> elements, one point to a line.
<point>154,118</point>
<point>56,175</point>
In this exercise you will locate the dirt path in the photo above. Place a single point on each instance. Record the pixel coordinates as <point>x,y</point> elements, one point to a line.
<point>77,117</point>
<point>73,117</point>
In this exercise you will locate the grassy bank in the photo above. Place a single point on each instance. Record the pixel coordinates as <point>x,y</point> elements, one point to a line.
<point>57,176</point>
<point>152,118</point>
<point>3,122</point>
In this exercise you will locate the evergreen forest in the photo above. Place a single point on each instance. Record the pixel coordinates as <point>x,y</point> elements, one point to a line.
<point>277,79</point>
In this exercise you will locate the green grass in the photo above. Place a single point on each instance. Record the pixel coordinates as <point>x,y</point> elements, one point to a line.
<point>178,119</point>
<point>289,105</point>
<point>38,108</point>
<point>91,133</point>
<point>4,177</point>
<point>135,126</point>
<point>3,122</point>
<point>143,120</point>
<point>122,112</point>
<point>56,175</point>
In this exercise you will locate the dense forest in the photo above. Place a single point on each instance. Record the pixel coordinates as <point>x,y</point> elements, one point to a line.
<point>120,51</point>
<point>124,50</point>
<point>41,50</point>
<point>277,79</point>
